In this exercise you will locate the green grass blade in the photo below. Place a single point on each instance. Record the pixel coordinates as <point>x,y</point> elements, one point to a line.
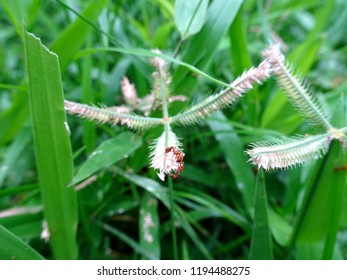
<point>235,157</point>
<point>149,226</point>
<point>13,248</point>
<point>108,153</point>
<point>216,207</point>
<point>13,154</point>
<point>261,244</point>
<point>24,222</point>
<point>201,48</point>
<point>147,53</point>
<point>126,239</point>
<point>14,118</point>
<point>71,40</point>
<point>52,146</point>
<point>14,10</point>
<point>88,97</point>
<point>320,213</point>
<point>241,60</point>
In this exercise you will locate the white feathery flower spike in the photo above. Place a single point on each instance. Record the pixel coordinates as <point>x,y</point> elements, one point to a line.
<point>168,159</point>
<point>287,152</point>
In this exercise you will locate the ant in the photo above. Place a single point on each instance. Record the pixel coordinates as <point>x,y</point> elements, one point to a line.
<point>179,158</point>
<point>341,168</point>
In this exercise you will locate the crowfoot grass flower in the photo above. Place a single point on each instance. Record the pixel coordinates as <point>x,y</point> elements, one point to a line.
<point>164,155</point>
<point>296,89</point>
<point>287,152</point>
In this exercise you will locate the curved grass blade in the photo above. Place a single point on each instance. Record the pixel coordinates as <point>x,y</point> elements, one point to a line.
<point>73,37</point>
<point>261,244</point>
<point>162,194</point>
<point>13,248</point>
<point>216,207</point>
<point>126,239</point>
<point>52,146</point>
<point>147,53</point>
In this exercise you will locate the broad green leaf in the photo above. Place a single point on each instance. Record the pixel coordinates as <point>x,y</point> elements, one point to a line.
<point>52,146</point>
<point>108,153</point>
<point>73,37</point>
<point>190,16</point>
<point>235,157</point>
<point>149,225</point>
<point>261,244</point>
<point>13,248</point>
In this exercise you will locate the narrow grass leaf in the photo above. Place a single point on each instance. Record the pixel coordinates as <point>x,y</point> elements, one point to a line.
<point>235,157</point>
<point>88,97</point>
<point>52,146</point>
<point>126,239</point>
<point>149,225</point>
<point>241,60</point>
<point>261,244</point>
<point>108,153</point>
<point>23,221</point>
<point>13,248</point>
<point>216,207</point>
<point>190,16</point>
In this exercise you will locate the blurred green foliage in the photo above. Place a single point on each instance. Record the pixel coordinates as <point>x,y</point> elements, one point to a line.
<point>221,209</point>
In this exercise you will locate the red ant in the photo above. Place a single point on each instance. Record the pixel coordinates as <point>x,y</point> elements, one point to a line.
<point>179,158</point>
<point>341,168</point>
